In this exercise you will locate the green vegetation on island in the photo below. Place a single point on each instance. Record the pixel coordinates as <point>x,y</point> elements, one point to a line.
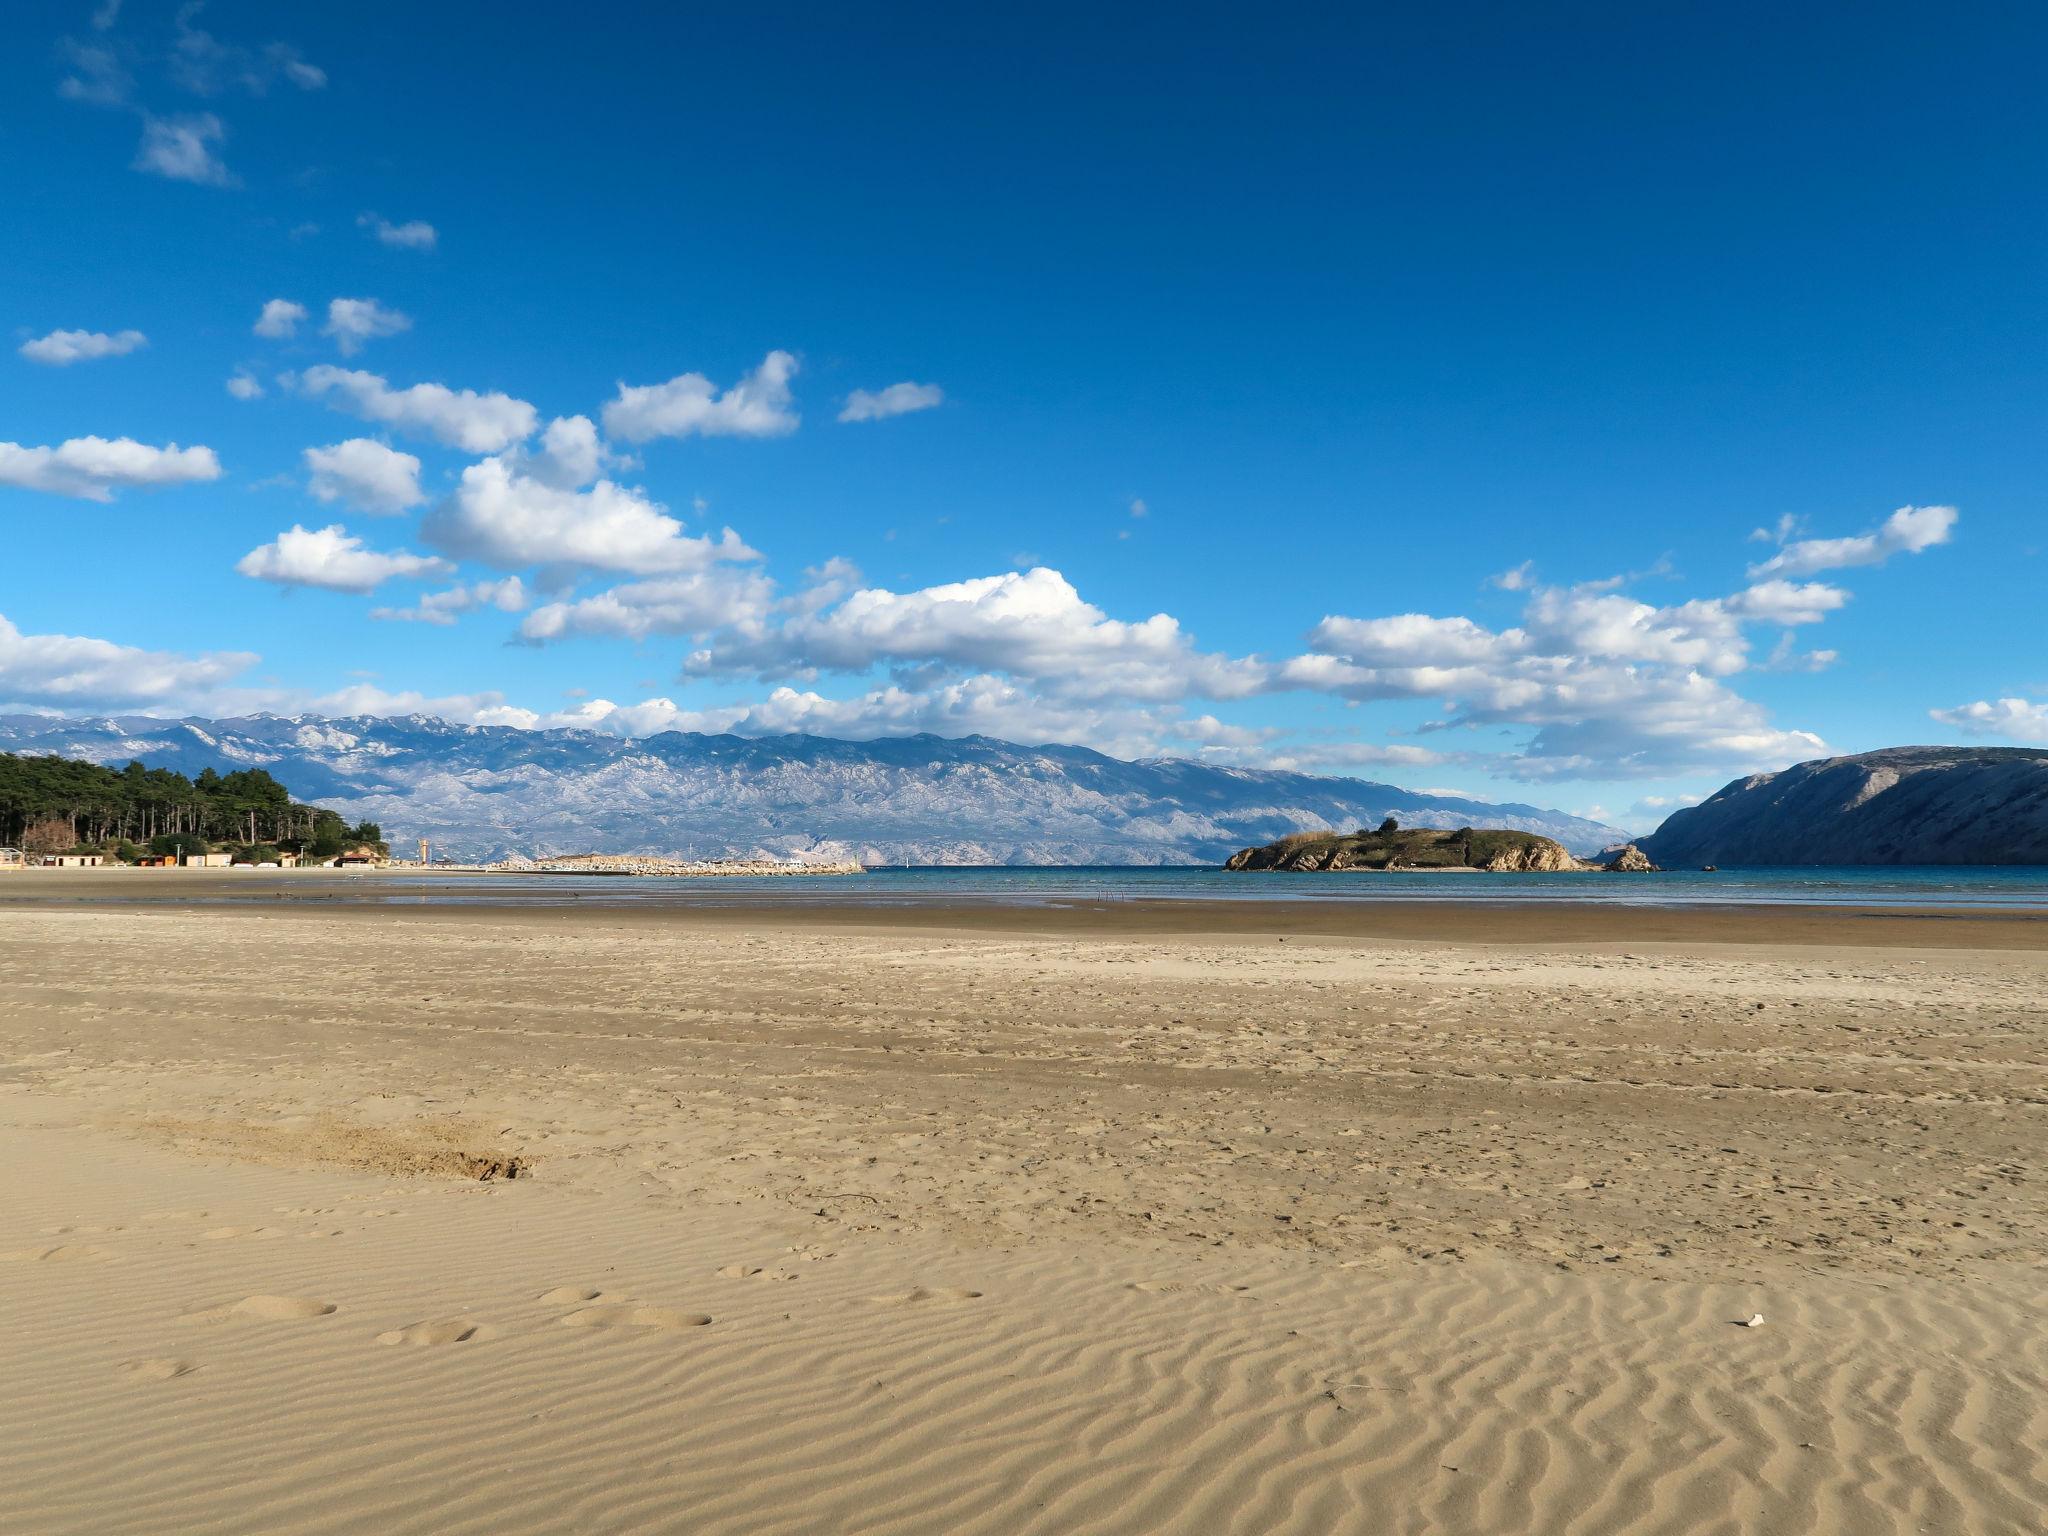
<point>55,805</point>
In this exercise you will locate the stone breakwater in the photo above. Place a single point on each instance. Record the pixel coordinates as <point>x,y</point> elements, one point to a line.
<point>643,864</point>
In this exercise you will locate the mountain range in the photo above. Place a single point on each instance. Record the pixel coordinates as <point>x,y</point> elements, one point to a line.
<point>488,792</point>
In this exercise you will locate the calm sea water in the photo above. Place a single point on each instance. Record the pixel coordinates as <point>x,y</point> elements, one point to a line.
<point>1933,886</point>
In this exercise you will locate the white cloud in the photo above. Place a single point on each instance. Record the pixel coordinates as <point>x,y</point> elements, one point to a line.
<point>60,349</point>
<point>280,319</point>
<point>690,604</point>
<point>204,65</point>
<point>1138,507</point>
<point>896,400</point>
<point>353,322</point>
<point>182,148</point>
<point>442,608</point>
<point>2018,719</point>
<point>475,423</point>
<point>106,15</point>
<point>98,77</point>
<point>1785,602</point>
<point>73,671</point>
<point>413,235</point>
<point>365,474</point>
<point>1517,579</point>
<point>332,559</point>
<point>503,514</point>
<point>93,468</point>
<point>1907,531</point>
<point>1030,624</point>
<point>244,387</point>
<point>1610,686</point>
<point>462,708</point>
<point>689,405</point>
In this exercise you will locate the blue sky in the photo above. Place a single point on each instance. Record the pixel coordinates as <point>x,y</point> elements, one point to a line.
<point>1371,391</point>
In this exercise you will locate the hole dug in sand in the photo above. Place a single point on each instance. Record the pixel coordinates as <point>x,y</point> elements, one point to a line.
<point>447,1148</point>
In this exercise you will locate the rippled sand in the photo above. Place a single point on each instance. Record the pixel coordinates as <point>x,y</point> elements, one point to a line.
<point>1118,1225</point>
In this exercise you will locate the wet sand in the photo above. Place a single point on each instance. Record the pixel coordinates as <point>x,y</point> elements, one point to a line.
<point>1192,1217</point>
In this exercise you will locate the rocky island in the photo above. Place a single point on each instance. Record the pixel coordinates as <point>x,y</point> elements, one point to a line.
<point>1392,848</point>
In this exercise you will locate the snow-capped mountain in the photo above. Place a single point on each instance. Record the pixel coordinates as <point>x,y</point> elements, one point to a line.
<point>491,791</point>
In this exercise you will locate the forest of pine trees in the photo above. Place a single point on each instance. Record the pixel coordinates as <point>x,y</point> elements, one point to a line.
<point>57,805</point>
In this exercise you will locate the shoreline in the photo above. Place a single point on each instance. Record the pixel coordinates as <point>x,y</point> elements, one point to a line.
<point>1449,920</point>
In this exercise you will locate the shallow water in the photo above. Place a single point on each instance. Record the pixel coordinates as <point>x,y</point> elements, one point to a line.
<point>1929,886</point>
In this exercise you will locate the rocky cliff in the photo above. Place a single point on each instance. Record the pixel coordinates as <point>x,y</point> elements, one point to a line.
<point>1903,805</point>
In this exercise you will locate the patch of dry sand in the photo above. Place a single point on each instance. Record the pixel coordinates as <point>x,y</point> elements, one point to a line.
<point>936,1232</point>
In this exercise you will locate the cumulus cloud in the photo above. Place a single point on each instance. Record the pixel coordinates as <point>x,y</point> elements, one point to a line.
<point>366,475</point>
<point>332,559</point>
<point>73,671</point>
<point>1611,686</point>
<point>513,511</point>
<point>183,149</point>
<point>93,468</point>
<point>2016,719</point>
<point>1031,624</point>
<point>413,235</point>
<point>60,349</point>
<point>896,400</point>
<point>354,322</point>
<point>1907,531</point>
<point>475,423</point>
<point>280,319</point>
<point>690,405</point>
<point>243,386</point>
<point>690,604</point>
<point>442,608</point>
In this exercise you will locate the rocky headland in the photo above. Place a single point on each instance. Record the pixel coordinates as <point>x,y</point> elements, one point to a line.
<point>1902,805</point>
<point>1391,848</point>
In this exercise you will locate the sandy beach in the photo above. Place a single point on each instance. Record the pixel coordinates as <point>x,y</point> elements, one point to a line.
<point>1159,1217</point>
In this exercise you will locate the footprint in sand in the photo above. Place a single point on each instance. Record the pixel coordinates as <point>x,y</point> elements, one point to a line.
<point>929,1293</point>
<point>268,1309</point>
<point>753,1272</point>
<point>164,1369</point>
<point>660,1319</point>
<point>221,1234</point>
<point>457,1330</point>
<point>568,1296</point>
<point>64,1253</point>
<point>1170,1287</point>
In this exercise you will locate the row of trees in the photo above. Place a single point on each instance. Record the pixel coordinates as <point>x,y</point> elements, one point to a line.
<point>58,805</point>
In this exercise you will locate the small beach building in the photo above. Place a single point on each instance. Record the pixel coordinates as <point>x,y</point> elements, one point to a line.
<point>71,861</point>
<point>206,860</point>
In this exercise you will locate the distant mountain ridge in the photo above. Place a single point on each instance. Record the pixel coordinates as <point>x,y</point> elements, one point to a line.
<point>482,792</point>
<point>1902,805</point>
